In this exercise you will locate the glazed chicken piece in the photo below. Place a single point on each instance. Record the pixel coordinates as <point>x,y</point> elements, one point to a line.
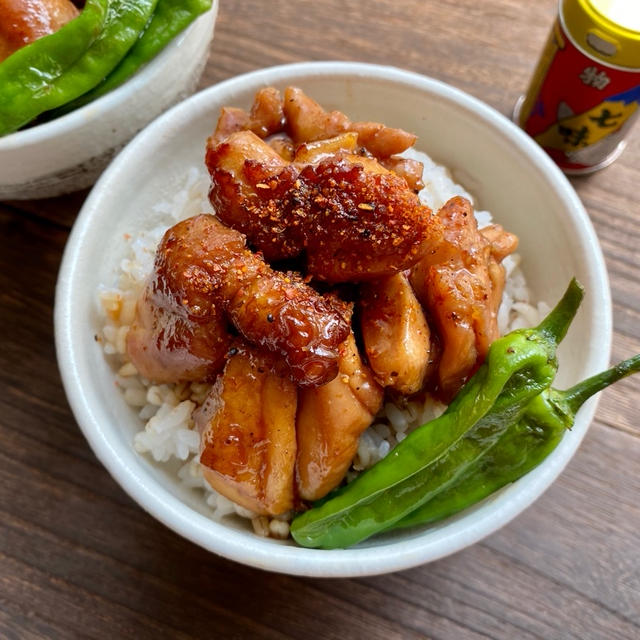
<point>330,421</point>
<point>247,424</point>
<point>351,218</point>
<point>502,242</point>
<point>408,168</point>
<point>208,269</point>
<point>360,224</point>
<point>23,21</point>
<point>396,336</point>
<point>266,117</point>
<point>167,342</point>
<point>307,121</point>
<point>345,145</point>
<point>460,284</point>
<point>237,166</point>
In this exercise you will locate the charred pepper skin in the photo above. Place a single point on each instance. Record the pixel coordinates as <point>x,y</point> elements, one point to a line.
<point>124,21</point>
<point>27,73</point>
<point>169,19</point>
<point>521,448</point>
<point>518,367</point>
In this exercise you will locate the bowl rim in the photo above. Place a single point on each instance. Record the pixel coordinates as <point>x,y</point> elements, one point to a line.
<point>250,549</point>
<point>107,103</point>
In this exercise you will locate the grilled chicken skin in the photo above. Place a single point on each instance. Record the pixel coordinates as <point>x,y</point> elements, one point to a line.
<point>167,343</point>
<point>460,284</point>
<point>248,437</point>
<point>395,334</point>
<point>330,421</point>
<point>351,218</point>
<point>204,269</point>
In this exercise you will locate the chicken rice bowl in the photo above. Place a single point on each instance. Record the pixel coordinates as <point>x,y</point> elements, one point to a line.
<point>316,291</point>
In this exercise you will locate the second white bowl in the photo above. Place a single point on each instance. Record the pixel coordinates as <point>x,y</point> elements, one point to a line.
<point>69,153</point>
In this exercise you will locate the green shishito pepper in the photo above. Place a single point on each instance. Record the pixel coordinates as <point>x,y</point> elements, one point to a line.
<point>518,367</point>
<point>123,23</point>
<point>27,74</point>
<point>521,448</point>
<point>169,19</point>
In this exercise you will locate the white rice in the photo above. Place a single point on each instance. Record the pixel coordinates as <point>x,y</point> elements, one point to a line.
<point>165,411</point>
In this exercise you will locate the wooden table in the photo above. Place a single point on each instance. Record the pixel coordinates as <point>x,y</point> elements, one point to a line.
<point>79,559</point>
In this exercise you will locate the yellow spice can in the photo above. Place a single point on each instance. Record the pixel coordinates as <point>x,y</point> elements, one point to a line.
<point>585,92</point>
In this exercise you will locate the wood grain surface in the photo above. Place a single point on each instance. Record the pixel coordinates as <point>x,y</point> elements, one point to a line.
<point>79,559</point>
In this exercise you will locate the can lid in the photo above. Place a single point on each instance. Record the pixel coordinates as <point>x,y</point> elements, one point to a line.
<point>607,29</point>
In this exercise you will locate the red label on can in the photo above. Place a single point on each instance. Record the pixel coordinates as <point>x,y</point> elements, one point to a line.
<point>583,107</point>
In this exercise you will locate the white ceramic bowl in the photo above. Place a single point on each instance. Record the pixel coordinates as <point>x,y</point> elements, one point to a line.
<point>507,171</point>
<point>69,153</point>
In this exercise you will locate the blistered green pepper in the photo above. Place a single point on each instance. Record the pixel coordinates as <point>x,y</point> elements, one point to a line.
<point>521,448</point>
<point>124,21</point>
<point>518,367</point>
<point>27,74</point>
<point>169,19</point>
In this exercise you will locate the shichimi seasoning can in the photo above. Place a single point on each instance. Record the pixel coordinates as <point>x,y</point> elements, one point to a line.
<point>584,94</point>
